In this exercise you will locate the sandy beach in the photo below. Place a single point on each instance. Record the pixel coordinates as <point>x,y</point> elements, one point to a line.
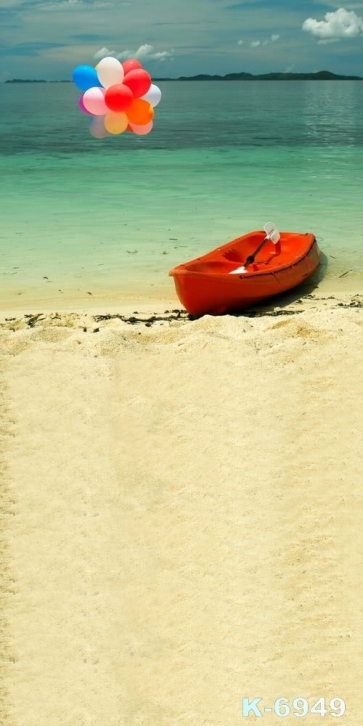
<point>181,512</point>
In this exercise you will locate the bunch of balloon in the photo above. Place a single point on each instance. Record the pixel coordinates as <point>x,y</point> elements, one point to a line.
<point>119,96</point>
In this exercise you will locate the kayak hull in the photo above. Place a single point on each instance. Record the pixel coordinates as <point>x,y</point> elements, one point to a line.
<point>213,284</point>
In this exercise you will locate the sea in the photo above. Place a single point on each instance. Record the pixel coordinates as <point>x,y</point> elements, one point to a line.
<point>83,217</point>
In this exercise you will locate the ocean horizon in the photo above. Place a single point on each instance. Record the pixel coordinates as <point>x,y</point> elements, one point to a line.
<point>239,75</point>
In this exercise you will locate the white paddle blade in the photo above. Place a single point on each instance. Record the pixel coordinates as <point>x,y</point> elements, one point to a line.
<point>271,232</point>
<point>269,227</point>
<point>238,270</point>
<point>274,236</point>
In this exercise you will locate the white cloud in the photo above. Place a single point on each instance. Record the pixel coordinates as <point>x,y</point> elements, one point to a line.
<point>341,24</point>
<point>73,4</point>
<point>256,43</point>
<point>143,53</point>
<point>146,52</point>
<point>103,53</point>
<point>325,41</point>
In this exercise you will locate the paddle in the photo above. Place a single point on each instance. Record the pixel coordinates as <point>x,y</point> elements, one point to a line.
<point>272,234</point>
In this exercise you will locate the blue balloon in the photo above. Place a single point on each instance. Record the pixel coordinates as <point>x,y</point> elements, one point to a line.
<point>85,77</point>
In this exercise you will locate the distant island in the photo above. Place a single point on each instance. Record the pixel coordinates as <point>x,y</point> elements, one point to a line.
<point>27,80</point>
<point>318,76</point>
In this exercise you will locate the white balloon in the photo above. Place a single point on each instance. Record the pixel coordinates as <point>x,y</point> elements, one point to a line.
<point>97,128</point>
<point>109,71</point>
<point>153,96</point>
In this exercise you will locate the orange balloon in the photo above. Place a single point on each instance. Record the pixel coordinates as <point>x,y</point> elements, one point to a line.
<point>115,123</point>
<point>140,112</point>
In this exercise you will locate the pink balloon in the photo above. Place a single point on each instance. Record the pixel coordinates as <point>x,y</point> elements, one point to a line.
<point>97,128</point>
<point>94,101</point>
<point>82,106</point>
<point>141,130</point>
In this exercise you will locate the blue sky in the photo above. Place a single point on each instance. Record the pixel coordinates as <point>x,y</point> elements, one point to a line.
<point>48,38</point>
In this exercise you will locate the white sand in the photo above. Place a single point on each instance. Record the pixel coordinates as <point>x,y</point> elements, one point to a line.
<point>183,517</point>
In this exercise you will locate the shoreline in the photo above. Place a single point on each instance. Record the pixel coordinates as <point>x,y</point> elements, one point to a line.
<point>139,308</point>
<point>161,292</point>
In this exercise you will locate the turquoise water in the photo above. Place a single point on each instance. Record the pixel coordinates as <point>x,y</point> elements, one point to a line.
<point>112,216</point>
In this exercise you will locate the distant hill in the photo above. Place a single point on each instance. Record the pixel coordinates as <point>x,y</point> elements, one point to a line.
<point>319,76</point>
<point>29,80</point>
<point>24,80</point>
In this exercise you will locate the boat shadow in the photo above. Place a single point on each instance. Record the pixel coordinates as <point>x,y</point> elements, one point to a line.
<point>278,304</point>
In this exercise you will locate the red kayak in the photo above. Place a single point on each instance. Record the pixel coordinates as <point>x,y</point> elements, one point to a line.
<point>226,280</point>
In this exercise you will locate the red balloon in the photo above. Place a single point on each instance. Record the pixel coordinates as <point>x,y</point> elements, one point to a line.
<point>130,65</point>
<point>118,97</point>
<point>138,81</point>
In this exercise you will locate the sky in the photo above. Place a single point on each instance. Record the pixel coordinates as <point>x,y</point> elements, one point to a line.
<point>47,39</point>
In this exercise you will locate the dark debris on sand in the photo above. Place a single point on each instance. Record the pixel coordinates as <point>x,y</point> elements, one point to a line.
<point>169,315</point>
<point>352,304</point>
<point>179,315</point>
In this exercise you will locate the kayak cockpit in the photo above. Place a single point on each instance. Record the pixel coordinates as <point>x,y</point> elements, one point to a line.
<point>228,259</point>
